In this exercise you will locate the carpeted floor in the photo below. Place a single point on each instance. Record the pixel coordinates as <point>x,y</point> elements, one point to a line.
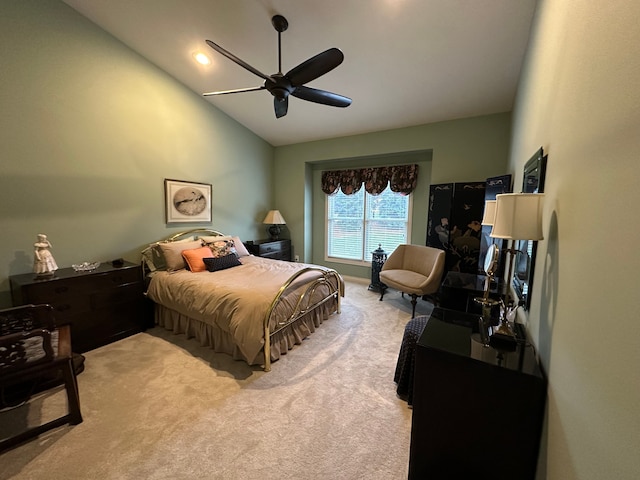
<point>159,406</point>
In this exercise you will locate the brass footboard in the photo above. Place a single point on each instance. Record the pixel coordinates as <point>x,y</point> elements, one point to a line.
<point>327,277</point>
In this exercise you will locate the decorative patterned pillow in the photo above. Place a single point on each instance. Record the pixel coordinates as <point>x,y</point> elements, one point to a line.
<point>241,250</point>
<point>221,263</point>
<point>193,258</point>
<point>172,252</point>
<point>221,248</point>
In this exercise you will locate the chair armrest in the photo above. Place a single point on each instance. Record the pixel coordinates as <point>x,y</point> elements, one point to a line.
<point>64,341</point>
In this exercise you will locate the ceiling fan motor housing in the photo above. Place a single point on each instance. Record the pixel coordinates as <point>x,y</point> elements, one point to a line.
<point>279,86</point>
<point>279,23</point>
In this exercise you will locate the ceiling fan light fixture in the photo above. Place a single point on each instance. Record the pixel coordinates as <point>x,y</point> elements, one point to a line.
<point>201,58</point>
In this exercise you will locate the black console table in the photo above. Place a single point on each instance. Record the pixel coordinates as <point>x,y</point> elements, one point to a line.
<point>477,411</point>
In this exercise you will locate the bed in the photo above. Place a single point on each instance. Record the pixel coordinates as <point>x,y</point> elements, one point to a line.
<point>256,309</point>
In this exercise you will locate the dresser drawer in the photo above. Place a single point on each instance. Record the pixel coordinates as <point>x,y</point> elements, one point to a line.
<point>270,248</point>
<point>52,292</point>
<point>116,278</point>
<point>107,298</point>
<point>274,255</point>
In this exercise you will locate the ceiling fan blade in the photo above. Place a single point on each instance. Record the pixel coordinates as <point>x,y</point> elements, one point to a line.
<point>280,106</point>
<point>240,62</point>
<point>315,67</point>
<point>321,96</point>
<point>236,90</point>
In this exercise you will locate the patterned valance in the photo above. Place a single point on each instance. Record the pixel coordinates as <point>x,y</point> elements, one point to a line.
<point>402,179</point>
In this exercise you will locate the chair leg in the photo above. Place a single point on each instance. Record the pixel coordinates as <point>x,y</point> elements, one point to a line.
<point>414,300</point>
<point>73,397</point>
<point>383,289</point>
<point>74,416</point>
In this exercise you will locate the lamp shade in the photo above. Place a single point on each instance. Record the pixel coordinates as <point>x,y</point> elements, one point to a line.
<point>274,217</point>
<point>518,216</point>
<point>489,212</point>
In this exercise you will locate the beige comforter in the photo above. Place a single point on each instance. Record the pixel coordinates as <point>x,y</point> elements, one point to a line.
<point>234,300</point>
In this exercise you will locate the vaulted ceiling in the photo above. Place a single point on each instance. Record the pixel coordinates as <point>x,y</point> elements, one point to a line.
<point>407,62</point>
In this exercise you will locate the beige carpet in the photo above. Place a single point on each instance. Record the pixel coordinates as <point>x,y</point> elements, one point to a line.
<point>159,406</point>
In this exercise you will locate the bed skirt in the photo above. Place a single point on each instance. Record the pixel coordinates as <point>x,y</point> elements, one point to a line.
<point>222,342</point>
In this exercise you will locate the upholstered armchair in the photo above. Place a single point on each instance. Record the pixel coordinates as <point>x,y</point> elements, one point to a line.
<point>415,270</point>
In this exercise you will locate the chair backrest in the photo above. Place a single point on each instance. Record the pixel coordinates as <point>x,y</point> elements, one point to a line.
<point>416,258</point>
<point>34,352</point>
<point>27,337</point>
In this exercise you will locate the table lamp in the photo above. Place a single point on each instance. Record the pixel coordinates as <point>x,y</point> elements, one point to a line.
<point>490,267</point>
<point>275,219</point>
<point>518,216</point>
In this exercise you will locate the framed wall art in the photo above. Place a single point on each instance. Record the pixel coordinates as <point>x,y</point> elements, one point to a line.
<point>187,202</point>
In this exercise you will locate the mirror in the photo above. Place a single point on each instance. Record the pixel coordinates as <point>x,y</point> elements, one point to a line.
<point>491,260</point>
<point>532,182</point>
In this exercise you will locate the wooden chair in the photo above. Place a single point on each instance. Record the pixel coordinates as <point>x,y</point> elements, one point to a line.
<point>31,349</point>
<point>413,269</point>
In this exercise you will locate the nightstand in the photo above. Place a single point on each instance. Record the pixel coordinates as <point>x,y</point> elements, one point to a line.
<point>274,249</point>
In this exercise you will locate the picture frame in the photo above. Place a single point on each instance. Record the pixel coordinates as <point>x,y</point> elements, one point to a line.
<point>187,202</point>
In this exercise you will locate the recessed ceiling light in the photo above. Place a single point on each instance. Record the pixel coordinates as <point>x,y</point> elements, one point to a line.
<point>201,58</point>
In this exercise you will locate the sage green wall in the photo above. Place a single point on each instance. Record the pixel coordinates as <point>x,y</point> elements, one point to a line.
<point>88,132</point>
<point>579,98</point>
<point>470,149</point>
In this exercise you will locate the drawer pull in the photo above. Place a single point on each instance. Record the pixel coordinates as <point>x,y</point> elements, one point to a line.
<point>63,308</point>
<point>61,289</point>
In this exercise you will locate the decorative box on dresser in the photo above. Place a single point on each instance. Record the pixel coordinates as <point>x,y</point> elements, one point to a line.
<point>275,249</point>
<point>477,410</point>
<point>102,306</point>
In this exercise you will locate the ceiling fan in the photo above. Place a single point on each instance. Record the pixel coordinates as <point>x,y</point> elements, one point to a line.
<point>291,83</point>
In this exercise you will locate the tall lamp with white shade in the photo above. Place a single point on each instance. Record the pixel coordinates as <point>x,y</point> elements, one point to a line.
<point>490,259</point>
<point>274,218</point>
<point>518,216</point>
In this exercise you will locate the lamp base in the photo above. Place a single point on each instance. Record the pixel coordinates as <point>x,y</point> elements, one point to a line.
<point>503,337</point>
<point>274,232</point>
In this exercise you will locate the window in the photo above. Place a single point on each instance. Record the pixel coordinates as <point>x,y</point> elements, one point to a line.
<point>358,223</point>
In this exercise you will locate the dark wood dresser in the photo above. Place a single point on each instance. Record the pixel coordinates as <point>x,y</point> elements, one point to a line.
<point>477,410</point>
<point>102,306</point>
<point>275,249</point>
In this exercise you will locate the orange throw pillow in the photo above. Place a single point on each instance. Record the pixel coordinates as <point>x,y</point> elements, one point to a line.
<point>194,258</point>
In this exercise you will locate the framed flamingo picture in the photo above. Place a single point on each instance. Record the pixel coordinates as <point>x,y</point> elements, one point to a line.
<point>187,202</point>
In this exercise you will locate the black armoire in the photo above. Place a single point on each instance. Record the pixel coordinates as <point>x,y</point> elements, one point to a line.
<point>454,223</point>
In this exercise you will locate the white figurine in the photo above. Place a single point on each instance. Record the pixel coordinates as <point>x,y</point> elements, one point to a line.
<point>43,262</point>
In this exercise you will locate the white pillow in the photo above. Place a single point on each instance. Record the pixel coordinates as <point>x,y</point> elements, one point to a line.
<point>154,257</point>
<point>185,239</point>
<point>172,252</point>
<point>240,248</point>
